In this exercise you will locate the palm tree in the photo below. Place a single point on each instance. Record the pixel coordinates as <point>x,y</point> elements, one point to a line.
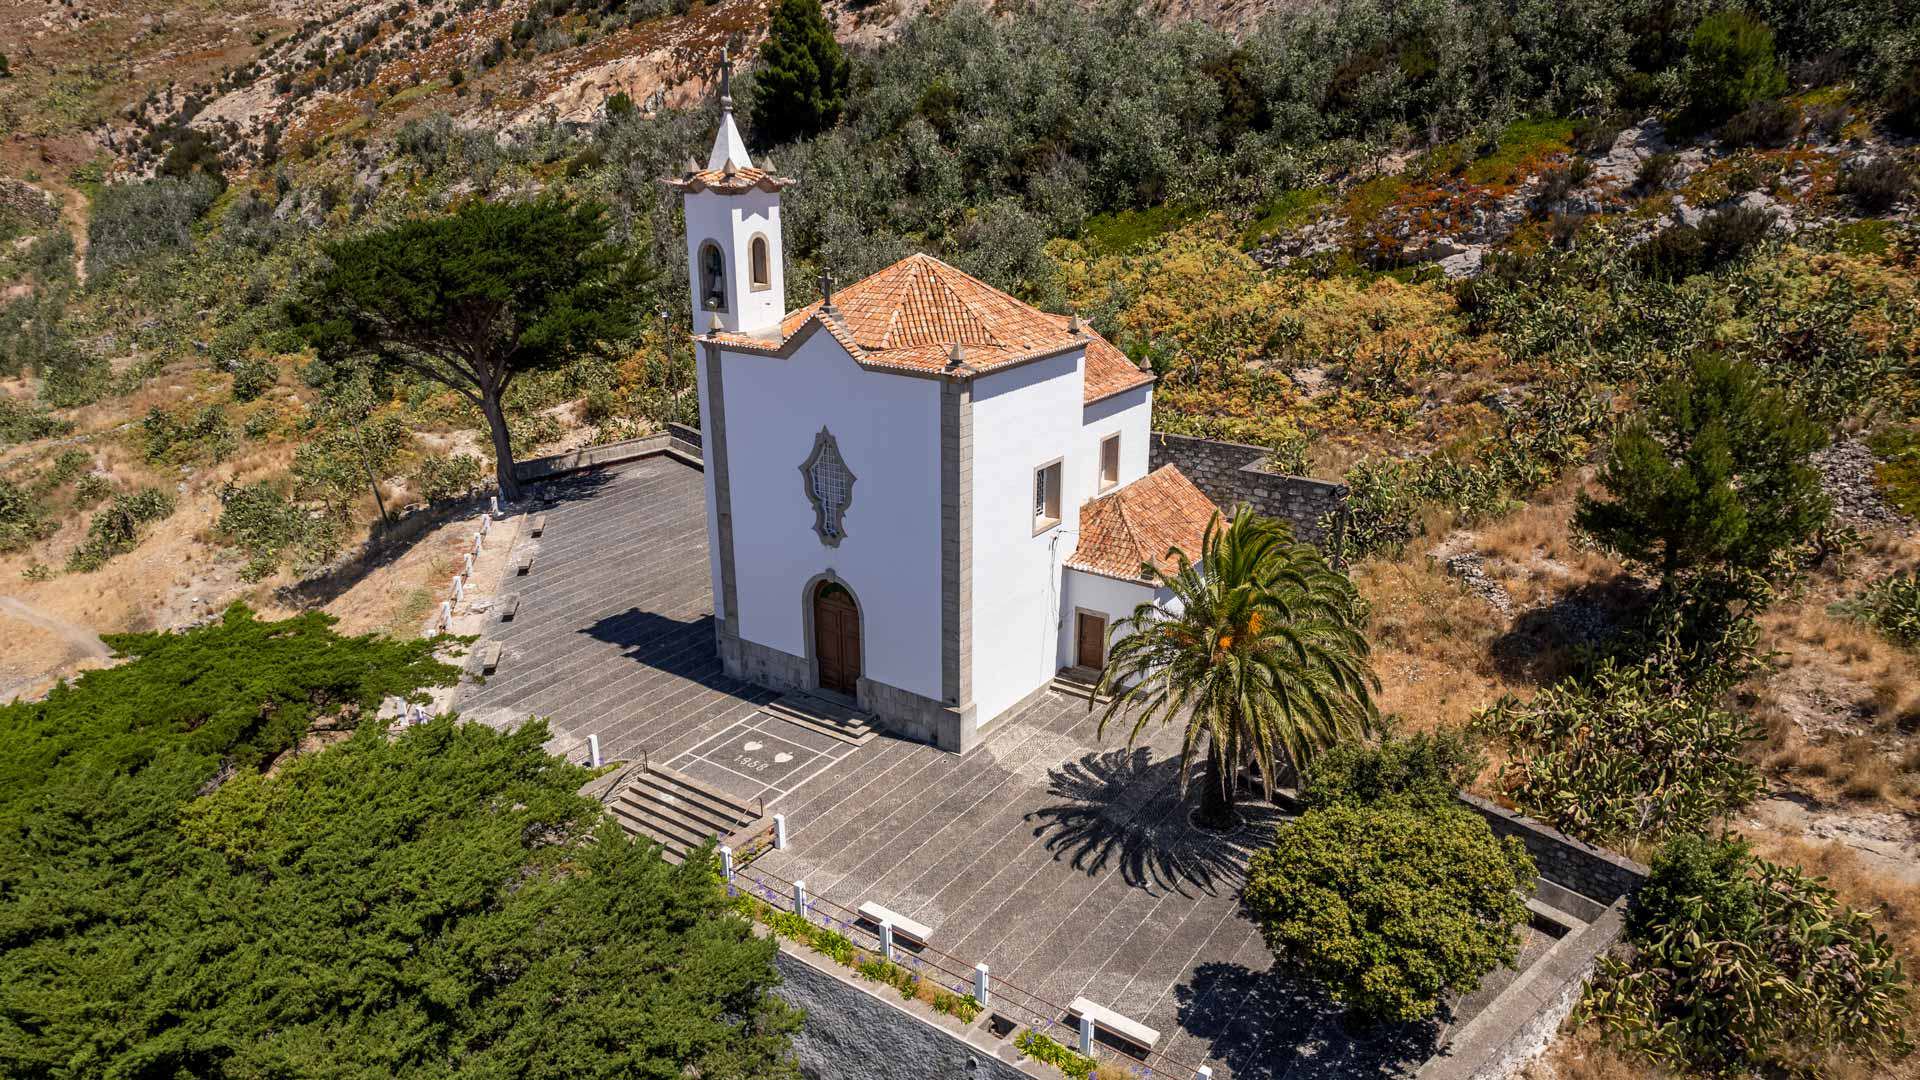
<point>1257,648</point>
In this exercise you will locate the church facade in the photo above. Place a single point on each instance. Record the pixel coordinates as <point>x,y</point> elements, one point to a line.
<point>924,497</point>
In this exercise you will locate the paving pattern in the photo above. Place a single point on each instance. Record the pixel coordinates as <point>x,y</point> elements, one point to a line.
<point>1062,859</point>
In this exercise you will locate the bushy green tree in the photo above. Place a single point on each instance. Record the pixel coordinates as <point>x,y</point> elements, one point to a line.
<point>1731,65</point>
<point>1745,967</point>
<point>439,901</point>
<point>1259,655</point>
<point>474,299</point>
<point>1711,475</point>
<point>800,81</point>
<point>1391,907</point>
<point>1425,770</point>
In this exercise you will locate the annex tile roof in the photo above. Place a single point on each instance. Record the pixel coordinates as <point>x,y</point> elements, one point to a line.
<point>1140,523</point>
<point>911,315</point>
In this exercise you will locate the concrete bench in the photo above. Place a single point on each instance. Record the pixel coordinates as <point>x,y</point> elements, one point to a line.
<point>489,657</point>
<point>539,525</point>
<point>1113,1023</point>
<point>509,607</point>
<point>526,564</point>
<point>918,933</point>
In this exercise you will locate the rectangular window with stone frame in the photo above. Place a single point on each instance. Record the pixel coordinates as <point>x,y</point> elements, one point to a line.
<point>1110,461</point>
<point>1046,496</point>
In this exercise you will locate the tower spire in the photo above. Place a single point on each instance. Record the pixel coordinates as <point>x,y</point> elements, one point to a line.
<point>729,150</point>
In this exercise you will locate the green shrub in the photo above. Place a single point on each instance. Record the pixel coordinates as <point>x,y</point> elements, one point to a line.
<point>1391,907</point>
<point>270,530</point>
<point>1731,66</point>
<point>21,422</point>
<point>116,530</point>
<point>1425,770</point>
<point>1878,185</point>
<point>1891,606</point>
<point>443,476</point>
<point>1627,752</point>
<point>91,489</point>
<point>1656,172</point>
<point>1768,124</point>
<point>1745,967</point>
<point>71,377</point>
<point>22,519</point>
<point>131,221</point>
<point>1041,1048</point>
<point>204,436</point>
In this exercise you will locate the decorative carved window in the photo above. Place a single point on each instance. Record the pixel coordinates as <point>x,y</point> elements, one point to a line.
<point>829,486</point>
<point>713,278</point>
<point>760,264</point>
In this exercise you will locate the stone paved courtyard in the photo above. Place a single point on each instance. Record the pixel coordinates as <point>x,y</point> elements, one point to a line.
<point>1062,859</point>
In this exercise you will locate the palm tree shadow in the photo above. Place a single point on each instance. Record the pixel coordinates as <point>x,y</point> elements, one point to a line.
<point>1274,1025</point>
<point>1121,809</point>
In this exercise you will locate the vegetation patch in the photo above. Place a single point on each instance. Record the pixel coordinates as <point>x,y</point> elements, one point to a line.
<point>118,529</point>
<point>1041,1048</point>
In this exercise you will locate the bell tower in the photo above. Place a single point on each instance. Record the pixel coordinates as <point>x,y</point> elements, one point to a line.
<point>735,266</point>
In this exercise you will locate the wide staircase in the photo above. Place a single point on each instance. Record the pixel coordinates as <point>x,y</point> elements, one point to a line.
<point>823,716</point>
<point>679,812</point>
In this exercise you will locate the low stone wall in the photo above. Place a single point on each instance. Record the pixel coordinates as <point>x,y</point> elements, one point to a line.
<point>673,441</point>
<point>1232,473</point>
<point>1592,872</point>
<point>28,201</point>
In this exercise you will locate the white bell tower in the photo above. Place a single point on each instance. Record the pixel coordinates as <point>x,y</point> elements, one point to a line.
<point>735,263</point>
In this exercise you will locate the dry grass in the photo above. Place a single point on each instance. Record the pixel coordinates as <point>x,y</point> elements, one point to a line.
<point>1432,640</point>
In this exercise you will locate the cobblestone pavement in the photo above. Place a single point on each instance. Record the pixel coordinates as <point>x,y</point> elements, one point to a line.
<point>1063,860</point>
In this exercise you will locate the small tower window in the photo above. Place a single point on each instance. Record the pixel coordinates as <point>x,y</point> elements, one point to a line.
<point>760,264</point>
<point>713,278</point>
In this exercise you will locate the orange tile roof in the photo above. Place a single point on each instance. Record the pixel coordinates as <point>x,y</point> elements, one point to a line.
<point>1139,523</point>
<point>910,316</point>
<point>728,181</point>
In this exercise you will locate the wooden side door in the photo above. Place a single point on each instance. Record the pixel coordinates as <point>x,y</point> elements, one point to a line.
<point>1092,633</point>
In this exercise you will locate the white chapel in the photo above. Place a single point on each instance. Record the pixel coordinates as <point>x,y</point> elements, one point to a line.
<point>924,497</point>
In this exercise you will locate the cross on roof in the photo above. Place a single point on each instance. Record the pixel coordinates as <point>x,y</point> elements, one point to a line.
<point>826,288</point>
<point>726,79</point>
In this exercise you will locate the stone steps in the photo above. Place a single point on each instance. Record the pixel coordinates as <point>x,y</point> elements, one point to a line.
<point>1076,682</point>
<point>676,811</point>
<point>825,717</point>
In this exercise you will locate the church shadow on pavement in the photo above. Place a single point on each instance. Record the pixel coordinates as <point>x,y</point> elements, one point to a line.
<point>1121,810</point>
<point>676,646</point>
<point>1273,1025</point>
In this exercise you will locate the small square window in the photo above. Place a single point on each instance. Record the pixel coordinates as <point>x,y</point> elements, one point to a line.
<point>1109,461</point>
<point>1046,497</point>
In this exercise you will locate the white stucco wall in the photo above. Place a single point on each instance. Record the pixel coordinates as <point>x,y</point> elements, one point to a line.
<point>731,221</point>
<point>1129,413</point>
<point>1107,596</point>
<point>888,430</point>
<point>1022,419</point>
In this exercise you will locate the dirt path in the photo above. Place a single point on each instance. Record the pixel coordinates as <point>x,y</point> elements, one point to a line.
<point>35,663</point>
<point>84,641</point>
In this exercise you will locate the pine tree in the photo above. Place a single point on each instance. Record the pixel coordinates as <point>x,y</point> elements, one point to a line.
<point>1711,476</point>
<point>801,79</point>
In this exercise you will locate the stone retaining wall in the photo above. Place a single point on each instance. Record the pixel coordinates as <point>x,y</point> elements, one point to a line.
<point>673,441</point>
<point>1232,473</point>
<point>28,201</point>
<point>1592,872</point>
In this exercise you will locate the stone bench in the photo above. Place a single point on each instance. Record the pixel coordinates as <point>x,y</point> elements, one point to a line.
<point>1113,1023</point>
<point>539,525</point>
<point>509,607</point>
<point>526,564</point>
<point>918,933</point>
<point>489,657</point>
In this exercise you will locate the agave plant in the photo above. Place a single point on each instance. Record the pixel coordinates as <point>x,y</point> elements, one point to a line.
<point>1255,648</point>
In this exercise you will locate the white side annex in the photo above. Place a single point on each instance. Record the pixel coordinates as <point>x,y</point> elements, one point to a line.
<point>924,497</point>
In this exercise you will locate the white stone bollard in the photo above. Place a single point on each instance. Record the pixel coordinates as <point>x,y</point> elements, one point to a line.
<point>886,939</point>
<point>1086,1035</point>
<point>1204,1072</point>
<point>459,589</point>
<point>486,524</point>
<point>493,503</point>
<point>593,750</point>
<point>479,543</point>
<point>800,898</point>
<point>726,863</point>
<point>779,832</point>
<point>980,985</point>
<point>467,569</point>
<point>446,614</point>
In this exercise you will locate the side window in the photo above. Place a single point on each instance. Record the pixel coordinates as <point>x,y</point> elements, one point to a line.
<point>1046,497</point>
<point>713,277</point>
<point>1109,461</point>
<point>759,263</point>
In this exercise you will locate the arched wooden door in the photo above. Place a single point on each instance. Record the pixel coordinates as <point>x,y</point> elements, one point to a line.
<point>836,638</point>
